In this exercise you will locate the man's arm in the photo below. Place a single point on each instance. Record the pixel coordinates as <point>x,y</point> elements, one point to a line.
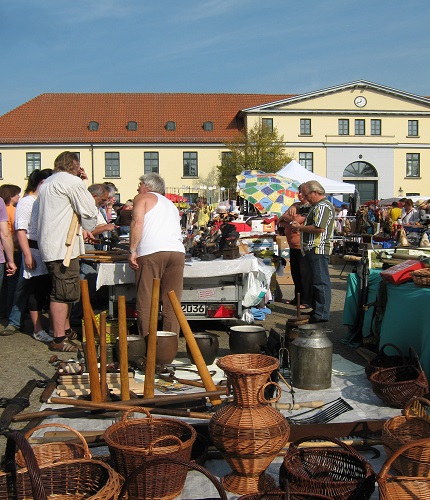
<point>136,228</point>
<point>6,240</point>
<point>21,235</point>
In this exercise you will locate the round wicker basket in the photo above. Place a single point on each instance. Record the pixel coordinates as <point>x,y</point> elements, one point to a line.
<point>421,277</point>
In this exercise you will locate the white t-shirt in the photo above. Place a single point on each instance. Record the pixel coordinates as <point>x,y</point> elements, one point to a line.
<point>161,229</point>
<point>24,220</point>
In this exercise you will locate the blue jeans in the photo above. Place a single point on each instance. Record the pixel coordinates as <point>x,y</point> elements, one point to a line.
<point>321,300</point>
<point>19,304</point>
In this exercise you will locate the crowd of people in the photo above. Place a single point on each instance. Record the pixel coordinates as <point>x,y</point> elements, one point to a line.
<point>35,275</point>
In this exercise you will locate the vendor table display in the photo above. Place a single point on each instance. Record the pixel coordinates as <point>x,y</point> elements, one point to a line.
<point>404,322</point>
<point>212,289</point>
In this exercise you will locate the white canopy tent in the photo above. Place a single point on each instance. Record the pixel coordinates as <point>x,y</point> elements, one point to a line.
<point>294,170</point>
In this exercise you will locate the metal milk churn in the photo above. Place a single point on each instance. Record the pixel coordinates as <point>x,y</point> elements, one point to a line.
<point>311,358</point>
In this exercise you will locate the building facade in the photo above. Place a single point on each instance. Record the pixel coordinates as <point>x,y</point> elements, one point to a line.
<point>363,133</point>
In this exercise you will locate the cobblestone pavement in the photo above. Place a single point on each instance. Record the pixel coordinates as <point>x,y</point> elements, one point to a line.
<point>24,358</point>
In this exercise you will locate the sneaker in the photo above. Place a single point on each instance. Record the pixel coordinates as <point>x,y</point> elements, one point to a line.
<point>64,346</point>
<point>9,330</point>
<point>42,336</point>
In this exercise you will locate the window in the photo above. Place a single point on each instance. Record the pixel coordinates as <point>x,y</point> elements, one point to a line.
<point>151,163</point>
<point>208,126</point>
<point>190,165</point>
<point>307,160</point>
<point>132,126</point>
<point>412,164</point>
<point>359,127</point>
<point>1,166</point>
<point>93,126</point>
<point>375,127</point>
<point>305,126</point>
<point>112,165</point>
<point>343,127</point>
<point>226,157</point>
<point>171,126</point>
<point>34,162</point>
<point>267,123</point>
<point>413,128</point>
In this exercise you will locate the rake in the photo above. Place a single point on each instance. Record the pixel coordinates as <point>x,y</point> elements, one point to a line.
<point>336,408</point>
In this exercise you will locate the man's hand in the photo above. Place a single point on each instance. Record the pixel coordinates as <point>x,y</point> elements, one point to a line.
<point>10,268</point>
<point>88,236</point>
<point>29,262</point>
<point>132,261</point>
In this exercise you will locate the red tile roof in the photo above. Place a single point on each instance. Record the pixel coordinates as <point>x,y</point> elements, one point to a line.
<point>64,118</point>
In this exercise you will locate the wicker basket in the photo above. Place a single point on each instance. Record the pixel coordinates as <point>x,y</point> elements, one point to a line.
<point>157,467</point>
<point>68,480</point>
<point>383,360</point>
<point>132,442</point>
<point>397,385</point>
<point>421,277</point>
<point>400,430</point>
<point>49,453</point>
<point>402,487</point>
<point>339,473</point>
<point>282,495</point>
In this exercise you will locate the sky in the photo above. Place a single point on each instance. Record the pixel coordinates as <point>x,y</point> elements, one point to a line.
<point>205,46</point>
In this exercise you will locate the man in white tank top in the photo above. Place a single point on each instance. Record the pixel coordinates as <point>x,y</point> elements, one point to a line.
<point>156,250</point>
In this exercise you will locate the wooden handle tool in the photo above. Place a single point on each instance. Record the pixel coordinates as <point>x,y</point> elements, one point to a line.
<point>70,239</point>
<point>123,349</point>
<point>148,389</point>
<point>92,367</point>
<point>194,348</point>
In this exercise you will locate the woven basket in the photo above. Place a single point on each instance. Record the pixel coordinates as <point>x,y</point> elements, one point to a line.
<point>338,473</point>
<point>49,453</point>
<point>157,467</point>
<point>401,430</point>
<point>397,385</point>
<point>282,495</point>
<point>383,360</point>
<point>132,442</point>
<point>68,480</point>
<point>402,487</point>
<point>421,277</point>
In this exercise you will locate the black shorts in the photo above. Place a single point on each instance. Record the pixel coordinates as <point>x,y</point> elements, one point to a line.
<point>65,281</point>
<point>40,289</point>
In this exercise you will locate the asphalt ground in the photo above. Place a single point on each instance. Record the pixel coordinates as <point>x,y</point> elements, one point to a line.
<point>24,358</point>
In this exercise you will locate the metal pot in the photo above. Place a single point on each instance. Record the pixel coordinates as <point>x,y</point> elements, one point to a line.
<point>136,349</point>
<point>208,344</point>
<point>245,339</point>
<point>311,358</point>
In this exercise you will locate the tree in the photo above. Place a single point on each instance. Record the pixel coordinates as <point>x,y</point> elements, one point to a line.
<point>259,148</point>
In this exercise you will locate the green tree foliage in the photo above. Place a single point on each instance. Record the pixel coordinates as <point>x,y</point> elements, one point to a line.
<point>259,148</point>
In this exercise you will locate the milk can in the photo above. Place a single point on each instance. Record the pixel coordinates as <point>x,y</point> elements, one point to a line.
<point>311,358</point>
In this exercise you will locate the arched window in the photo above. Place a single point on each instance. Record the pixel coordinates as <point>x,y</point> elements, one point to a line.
<point>360,169</point>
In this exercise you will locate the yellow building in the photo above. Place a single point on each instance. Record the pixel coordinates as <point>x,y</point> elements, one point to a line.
<point>363,133</point>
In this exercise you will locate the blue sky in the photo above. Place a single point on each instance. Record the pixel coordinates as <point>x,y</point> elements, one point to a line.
<point>239,46</point>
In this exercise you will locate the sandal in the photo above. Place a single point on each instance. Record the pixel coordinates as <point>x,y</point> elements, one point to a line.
<point>42,336</point>
<point>63,347</point>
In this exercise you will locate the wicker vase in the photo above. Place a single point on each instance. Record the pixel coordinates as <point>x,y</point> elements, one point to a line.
<point>249,432</point>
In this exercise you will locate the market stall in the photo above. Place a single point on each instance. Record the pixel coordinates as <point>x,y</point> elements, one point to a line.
<point>212,289</point>
<point>404,322</point>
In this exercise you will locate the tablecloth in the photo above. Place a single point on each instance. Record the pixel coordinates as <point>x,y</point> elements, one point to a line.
<point>120,273</point>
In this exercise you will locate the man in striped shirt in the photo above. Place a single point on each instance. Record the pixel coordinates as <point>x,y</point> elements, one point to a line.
<point>316,234</point>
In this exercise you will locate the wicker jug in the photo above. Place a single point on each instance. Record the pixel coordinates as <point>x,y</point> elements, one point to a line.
<point>249,432</point>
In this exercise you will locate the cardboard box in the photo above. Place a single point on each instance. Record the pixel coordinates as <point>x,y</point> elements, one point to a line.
<point>257,225</point>
<point>282,242</point>
<point>269,228</point>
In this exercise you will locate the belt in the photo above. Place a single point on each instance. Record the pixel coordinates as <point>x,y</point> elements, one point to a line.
<point>33,244</point>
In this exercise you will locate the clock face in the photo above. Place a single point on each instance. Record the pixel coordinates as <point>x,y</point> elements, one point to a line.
<point>360,101</point>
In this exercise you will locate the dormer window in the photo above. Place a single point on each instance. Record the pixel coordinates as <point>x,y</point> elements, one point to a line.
<point>132,126</point>
<point>93,126</point>
<point>170,126</point>
<point>208,126</point>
